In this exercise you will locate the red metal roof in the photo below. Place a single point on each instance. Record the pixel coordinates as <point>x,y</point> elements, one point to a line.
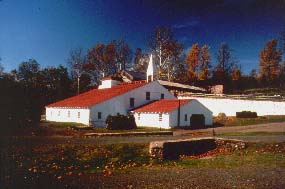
<point>96,96</point>
<point>165,105</point>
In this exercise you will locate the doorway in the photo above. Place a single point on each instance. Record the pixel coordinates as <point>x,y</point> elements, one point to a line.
<point>197,121</point>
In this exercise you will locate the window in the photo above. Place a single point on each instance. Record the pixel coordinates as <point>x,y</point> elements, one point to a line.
<point>99,115</point>
<point>68,114</point>
<point>51,113</point>
<point>78,114</point>
<point>147,95</point>
<point>139,116</point>
<point>185,117</point>
<point>162,96</point>
<point>132,102</point>
<point>58,113</point>
<point>160,117</point>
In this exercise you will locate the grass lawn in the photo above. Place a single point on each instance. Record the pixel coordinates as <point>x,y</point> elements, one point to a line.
<point>233,121</point>
<point>252,134</point>
<point>27,165</point>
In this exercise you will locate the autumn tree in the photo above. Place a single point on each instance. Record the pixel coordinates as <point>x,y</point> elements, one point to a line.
<point>236,73</point>
<point>166,49</point>
<point>269,61</point>
<point>205,59</point>
<point>193,61</point>
<point>101,60</point>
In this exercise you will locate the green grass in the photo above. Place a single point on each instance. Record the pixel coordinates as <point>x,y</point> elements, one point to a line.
<point>139,129</point>
<point>254,154</point>
<point>61,124</point>
<point>252,134</point>
<point>232,121</point>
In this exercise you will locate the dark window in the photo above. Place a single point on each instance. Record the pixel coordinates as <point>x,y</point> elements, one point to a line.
<point>78,114</point>
<point>139,116</point>
<point>185,117</point>
<point>58,114</point>
<point>147,95</point>
<point>68,114</point>
<point>132,102</point>
<point>160,117</point>
<point>162,96</point>
<point>99,115</point>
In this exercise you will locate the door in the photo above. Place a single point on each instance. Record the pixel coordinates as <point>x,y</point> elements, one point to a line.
<point>197,121</point>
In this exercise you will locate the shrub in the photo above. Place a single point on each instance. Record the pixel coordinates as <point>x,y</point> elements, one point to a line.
<point>222,116</point>
<point>120,122</point>
<point>246,114</point>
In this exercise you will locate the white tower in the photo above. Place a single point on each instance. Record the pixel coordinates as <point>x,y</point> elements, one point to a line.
<point>151,72</point>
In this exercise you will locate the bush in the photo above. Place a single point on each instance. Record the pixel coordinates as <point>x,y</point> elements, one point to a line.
<point>246,114</point>
<point>120,122</point>
<point>222,116</point>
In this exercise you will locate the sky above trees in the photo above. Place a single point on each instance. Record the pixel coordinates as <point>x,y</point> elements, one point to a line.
<point>47,30</point>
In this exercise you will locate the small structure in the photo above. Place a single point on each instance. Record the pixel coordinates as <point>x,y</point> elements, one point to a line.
<point>170,113</point>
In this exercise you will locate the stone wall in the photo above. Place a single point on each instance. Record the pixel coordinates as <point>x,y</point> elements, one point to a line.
<point>175,148</point>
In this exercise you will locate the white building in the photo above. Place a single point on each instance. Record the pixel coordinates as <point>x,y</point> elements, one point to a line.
<point>93,107</point>
<point>170,113</point>
<point>113,97</point>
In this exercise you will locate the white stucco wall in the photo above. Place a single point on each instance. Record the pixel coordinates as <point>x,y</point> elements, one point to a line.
<point>152,120</point>
<point>61,115</point>
<point>108,84</point>
<point>231,106</point>
<point>169,120</point>
<point>193,107</point>
<point>121,104</point>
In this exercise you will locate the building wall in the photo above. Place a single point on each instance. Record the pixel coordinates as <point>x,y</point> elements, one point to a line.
<point>121,104</point>
<point>108,84</point>
<point>193,107</point>
<point>68,115</point>
<point>231,106</point>
<point>152,120</point>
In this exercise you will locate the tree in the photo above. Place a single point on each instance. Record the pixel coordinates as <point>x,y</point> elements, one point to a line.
<point>225,64</point>
<point>28,72</point>
<point>123,53</point>
<point>180,72</point>
<point>205,63</point>
<point>269,61</point>
<point>236,73</point>
<point>140,61</point>
<point>193,61</point>
<point>55,82</point>
<point>102,60</point>
<point>225,59</point>
<point>1,68</point>
<point>76,61</point>
<point>166,49</point>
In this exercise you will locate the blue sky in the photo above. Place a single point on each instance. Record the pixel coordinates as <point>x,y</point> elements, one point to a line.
<point>47,30</point>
